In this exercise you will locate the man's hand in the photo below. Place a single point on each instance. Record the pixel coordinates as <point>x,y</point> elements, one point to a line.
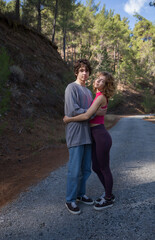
<point>66,119</point>
<point>101,112</point>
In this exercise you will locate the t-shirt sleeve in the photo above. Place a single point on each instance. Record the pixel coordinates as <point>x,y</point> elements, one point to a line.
<point>72,107</point>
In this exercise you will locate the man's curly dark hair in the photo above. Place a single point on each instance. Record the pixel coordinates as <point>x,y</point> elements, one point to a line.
<point>80,63</point>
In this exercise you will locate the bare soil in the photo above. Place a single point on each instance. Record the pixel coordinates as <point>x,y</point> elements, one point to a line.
<point>18,175</point>
<point>29,151</point>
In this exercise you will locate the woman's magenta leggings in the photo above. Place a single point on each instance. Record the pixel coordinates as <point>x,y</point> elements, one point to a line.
<point>102,143</point>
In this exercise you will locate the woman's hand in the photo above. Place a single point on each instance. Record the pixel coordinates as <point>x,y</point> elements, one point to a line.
<point>66,119</point>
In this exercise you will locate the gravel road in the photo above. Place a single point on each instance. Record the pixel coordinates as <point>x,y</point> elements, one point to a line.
<point>40,213</point>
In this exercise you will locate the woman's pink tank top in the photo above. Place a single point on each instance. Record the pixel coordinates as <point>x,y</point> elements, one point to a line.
<point>98,119</point>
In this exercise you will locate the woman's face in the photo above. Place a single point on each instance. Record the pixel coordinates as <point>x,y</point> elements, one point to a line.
<point>100,83</point>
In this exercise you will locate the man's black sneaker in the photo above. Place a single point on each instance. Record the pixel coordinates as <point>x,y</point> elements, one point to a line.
<point>73,208</point>
<point>85,200</point>
<point>104,203</point>
<point>103,195</point>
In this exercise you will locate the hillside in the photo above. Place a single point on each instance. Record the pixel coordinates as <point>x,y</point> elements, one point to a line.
<point>39,73</point>
<point>37,82</point>
<point>34,120</point>
<point>32,134</point>
<point>129,102</point>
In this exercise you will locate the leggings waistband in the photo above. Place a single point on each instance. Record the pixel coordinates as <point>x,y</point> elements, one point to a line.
<point>98,126</point>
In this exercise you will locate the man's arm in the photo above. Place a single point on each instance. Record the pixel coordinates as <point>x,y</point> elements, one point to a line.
<point>85,116</point>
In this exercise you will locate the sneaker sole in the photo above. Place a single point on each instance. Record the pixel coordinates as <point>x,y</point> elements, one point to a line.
<point>101,199</point>
<point>87,203</point>
<point>75,213</point>
<point>101,208</point>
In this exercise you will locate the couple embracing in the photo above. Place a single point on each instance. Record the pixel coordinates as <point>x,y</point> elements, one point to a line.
<point>87,139</point>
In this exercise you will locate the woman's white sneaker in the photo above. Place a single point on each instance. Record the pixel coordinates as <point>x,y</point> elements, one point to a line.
<point>102,196</point>
<point>104,203</point>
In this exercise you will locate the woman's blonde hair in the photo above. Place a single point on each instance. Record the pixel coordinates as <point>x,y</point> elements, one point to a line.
<point>110,86</point>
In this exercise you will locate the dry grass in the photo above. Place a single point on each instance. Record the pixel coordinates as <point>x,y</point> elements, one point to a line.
<point>150,119</point>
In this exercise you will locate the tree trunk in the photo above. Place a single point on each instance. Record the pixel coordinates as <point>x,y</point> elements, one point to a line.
<point>67,53</point>
<point>99,54</point>
<point>74,53</point>
<point>39,16</point>
<point>64,43</point>
<point>18,9</point>
<point>89,44</point>
<point>118,56</point>
<point>154,88</point>
<point>54,22</point>
<point>114,59</point>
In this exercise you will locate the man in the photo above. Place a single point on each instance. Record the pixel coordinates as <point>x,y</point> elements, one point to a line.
<point>78,99</point>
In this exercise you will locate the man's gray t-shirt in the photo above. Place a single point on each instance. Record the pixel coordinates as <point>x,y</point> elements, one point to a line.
<point>77,100</point>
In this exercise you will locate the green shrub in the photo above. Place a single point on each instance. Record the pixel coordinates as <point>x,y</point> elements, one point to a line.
<point>3,127</point>
<point>5,101</point>
<point>148,102</point>
<point>4,75</point>
<point>115,101</point>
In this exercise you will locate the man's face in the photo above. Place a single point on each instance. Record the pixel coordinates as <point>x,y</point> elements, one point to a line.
<point>83,74</point>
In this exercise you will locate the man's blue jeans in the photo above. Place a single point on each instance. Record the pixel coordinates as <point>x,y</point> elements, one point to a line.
<point>79,169</point>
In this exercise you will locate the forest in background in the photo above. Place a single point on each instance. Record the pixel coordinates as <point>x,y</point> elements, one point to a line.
<point>103,37</point>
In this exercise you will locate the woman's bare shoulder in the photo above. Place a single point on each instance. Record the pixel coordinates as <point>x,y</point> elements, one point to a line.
<point>102,99</point>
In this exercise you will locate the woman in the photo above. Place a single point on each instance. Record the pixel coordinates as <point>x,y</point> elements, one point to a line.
<point>104,86</point>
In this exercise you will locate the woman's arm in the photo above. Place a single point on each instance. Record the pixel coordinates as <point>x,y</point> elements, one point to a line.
<point>85,116</point>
